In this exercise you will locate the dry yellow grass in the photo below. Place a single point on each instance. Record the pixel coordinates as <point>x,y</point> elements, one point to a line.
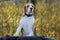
<point>47,19</point>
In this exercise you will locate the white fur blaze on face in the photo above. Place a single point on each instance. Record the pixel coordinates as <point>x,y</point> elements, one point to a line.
<point>30,9</point>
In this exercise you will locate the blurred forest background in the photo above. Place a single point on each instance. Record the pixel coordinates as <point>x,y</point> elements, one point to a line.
<point>47,17</point>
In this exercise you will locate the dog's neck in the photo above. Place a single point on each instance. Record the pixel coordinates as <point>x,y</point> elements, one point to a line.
<point>28,15</point>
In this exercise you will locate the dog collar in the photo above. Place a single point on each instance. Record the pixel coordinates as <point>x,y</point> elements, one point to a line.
<point>28,15</point>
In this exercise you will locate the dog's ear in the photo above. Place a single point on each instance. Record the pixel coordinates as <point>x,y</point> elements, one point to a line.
<point>24,9</point>
<point>34,11</point>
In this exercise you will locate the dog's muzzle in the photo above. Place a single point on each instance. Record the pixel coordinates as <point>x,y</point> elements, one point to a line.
<point>28,15</point>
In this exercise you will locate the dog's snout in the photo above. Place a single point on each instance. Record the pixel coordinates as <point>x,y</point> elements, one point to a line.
<point>31,8</point>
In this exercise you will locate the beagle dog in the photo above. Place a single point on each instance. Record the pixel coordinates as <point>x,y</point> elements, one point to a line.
<point>28,21</point>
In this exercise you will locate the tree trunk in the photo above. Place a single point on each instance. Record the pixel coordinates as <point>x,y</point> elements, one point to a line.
<point>33,1</point>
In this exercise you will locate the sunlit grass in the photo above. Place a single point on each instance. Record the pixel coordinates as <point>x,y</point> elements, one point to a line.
<point>47,19</point>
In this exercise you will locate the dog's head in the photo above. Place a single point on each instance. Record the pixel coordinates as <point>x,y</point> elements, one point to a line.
<point>29,8</point>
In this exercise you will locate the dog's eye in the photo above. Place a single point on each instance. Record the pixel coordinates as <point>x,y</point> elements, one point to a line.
<point>28,6</point>
<point>32,6</point>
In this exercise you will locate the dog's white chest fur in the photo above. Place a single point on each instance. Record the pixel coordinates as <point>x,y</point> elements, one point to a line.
<point>26,23</point>
<point>27,20</point>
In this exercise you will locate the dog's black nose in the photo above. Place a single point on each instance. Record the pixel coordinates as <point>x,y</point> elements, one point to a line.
<point>31,8</point>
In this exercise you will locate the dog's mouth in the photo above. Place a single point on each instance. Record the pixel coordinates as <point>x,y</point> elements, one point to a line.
<point>30,11</point>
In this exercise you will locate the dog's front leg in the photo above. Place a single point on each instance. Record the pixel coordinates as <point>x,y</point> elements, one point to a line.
<point>18,30</point>
<point>33,28</point>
